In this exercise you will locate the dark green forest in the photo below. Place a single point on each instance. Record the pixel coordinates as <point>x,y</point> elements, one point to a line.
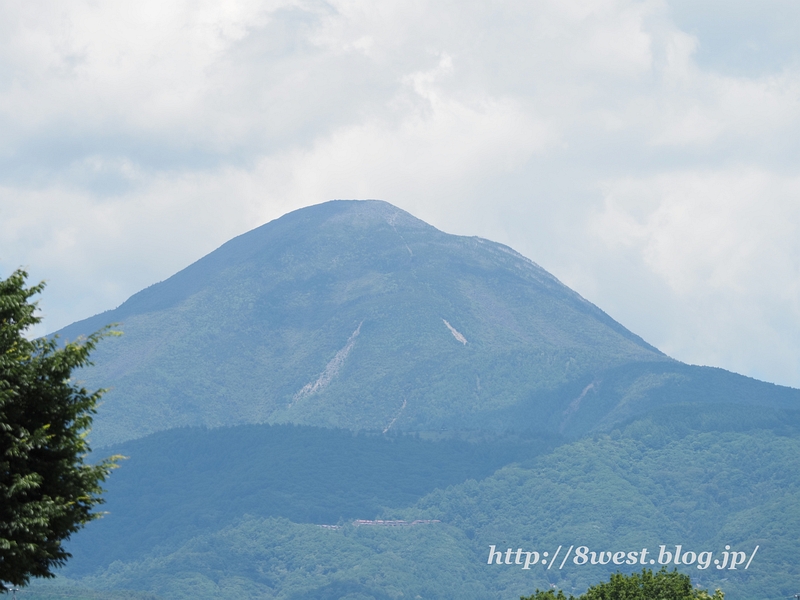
<point>178,484</point>
<point>640,486</point>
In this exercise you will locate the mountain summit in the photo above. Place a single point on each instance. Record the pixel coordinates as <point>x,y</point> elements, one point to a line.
<point>355,314</point>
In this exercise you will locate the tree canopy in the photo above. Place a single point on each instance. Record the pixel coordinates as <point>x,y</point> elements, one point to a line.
<point>662,585</point>
<point>47,491</point>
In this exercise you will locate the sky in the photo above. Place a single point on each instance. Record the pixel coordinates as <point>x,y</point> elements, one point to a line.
<point>644,152</point>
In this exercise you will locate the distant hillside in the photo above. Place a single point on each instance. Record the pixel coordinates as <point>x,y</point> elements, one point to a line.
<point>642,486</point>
<point>180,483</point>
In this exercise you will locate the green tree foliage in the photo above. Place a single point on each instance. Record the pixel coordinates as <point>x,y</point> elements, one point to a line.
<point>47,492</point>
<point>662,585</point>
<point>548,595</point>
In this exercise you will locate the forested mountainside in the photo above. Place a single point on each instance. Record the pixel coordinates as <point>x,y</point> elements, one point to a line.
<point>171,532</point>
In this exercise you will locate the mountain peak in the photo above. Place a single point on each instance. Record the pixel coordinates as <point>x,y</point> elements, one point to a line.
<point>350,314</point>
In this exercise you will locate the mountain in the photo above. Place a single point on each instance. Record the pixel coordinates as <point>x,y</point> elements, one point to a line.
<point>350,314</point>
<point>348,362</point>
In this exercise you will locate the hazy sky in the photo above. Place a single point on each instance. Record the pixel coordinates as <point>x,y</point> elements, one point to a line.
<point>646,153</point>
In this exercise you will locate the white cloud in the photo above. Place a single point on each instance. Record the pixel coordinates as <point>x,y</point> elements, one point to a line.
<point>726,246</point>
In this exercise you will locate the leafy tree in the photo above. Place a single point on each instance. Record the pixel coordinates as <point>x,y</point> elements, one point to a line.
<point>548,595</point>
<point>47,492</point>
<point>662,585</point>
